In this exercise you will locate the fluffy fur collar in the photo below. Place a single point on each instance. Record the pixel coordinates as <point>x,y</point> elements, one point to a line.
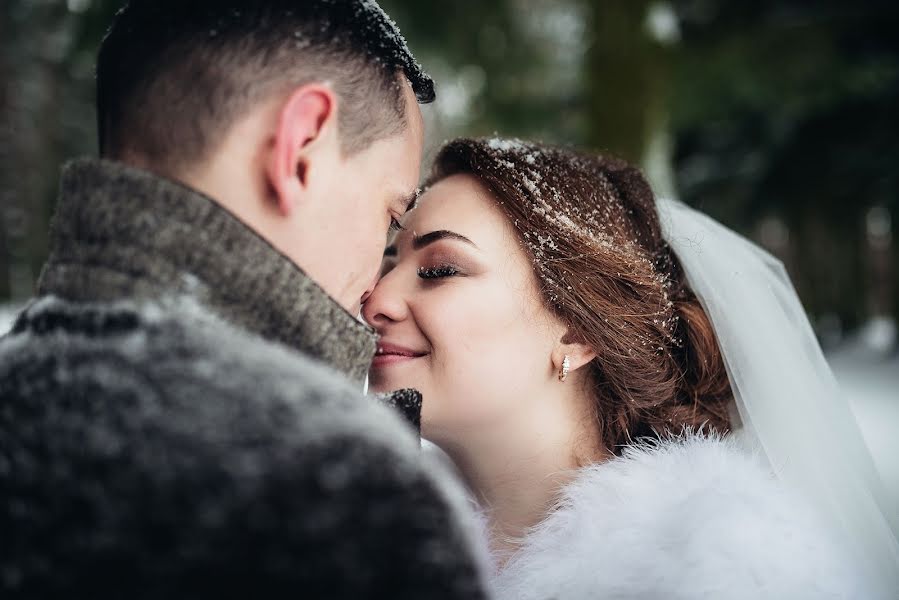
<point>689,518</point>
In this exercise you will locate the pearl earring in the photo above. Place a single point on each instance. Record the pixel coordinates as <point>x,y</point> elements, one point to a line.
<point>566,366</point>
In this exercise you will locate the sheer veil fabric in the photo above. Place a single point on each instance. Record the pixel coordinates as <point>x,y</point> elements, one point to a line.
<point>789,403</point>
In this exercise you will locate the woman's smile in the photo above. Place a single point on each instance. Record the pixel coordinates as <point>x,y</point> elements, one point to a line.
<point>392,354</point>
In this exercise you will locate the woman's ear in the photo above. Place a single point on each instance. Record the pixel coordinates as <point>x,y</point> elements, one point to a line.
<point>579,354</point>
<point>303,122</point>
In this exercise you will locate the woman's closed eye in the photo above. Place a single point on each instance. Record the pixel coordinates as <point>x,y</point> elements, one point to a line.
<point>437,272</point>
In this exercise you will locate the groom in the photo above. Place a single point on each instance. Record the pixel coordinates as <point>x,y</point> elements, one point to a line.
<point>180,410</point>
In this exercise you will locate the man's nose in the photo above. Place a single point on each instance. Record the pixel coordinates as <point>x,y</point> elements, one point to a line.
<point>371,288</point>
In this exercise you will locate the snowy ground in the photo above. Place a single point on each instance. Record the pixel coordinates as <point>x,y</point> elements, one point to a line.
<point>869,376</point>
<point>867,372</point>
<point>7,316</point>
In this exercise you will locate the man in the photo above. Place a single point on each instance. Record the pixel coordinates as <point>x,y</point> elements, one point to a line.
<point>180,409</point>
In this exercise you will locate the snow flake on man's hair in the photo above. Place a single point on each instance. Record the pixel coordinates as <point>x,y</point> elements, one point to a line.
<point>383,29</point>
<point>386,29</point>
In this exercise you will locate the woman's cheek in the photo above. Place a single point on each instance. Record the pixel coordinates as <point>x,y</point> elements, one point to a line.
<point>479,360</point>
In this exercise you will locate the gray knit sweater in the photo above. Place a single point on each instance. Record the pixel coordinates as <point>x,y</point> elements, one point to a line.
<point>180,417</point>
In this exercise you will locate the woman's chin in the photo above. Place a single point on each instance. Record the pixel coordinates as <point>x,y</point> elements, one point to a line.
<point>388,374</point>
<point>378,383</point>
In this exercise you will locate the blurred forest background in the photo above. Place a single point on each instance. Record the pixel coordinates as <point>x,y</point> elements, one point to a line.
<point>778,117</point>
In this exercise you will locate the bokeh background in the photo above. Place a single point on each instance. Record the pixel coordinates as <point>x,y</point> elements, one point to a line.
<point>778,117</point>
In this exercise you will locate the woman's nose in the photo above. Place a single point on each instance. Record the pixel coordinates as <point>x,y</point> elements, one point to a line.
<point>386,303</point>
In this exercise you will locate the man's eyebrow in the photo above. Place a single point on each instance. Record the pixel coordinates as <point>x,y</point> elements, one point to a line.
<point>420,241</point>
<point>411,201</point>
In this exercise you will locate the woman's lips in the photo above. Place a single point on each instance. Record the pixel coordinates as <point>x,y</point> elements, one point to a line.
<point>391,354</point>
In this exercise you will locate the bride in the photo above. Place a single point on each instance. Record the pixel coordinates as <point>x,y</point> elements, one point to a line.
<point>631,392</point>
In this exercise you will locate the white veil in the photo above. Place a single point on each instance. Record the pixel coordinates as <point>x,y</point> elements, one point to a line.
<point>787,397</point>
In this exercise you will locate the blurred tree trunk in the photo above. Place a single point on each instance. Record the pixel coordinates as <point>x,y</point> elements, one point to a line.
<point>628,81</point>
<point>895,283</point>
<point>831,268</point>
<point>6,193</point>
<point>45,118</point>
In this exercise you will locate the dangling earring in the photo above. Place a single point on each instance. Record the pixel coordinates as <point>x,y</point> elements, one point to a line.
<point>566,366</point>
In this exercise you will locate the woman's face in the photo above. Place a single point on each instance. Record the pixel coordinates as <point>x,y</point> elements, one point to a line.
<point>460,316</point>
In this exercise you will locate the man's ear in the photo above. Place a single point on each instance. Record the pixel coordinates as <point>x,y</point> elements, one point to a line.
<point>579,354</point>
<point>303,121</point>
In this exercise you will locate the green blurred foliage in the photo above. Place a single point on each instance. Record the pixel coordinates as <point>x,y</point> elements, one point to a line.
<point>776,116</point>
<point>787,109</point>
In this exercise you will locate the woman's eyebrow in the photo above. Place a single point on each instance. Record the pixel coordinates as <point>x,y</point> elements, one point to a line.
<point>420,241</point>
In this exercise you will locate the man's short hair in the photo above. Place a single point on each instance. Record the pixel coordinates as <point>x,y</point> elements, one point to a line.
<point>174,75</point>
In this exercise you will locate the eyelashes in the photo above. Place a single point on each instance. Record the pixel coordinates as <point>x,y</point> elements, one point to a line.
<point>438,272</point>
<point>395,226</point>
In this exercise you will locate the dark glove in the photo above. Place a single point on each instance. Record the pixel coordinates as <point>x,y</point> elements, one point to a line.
<point>407,403</point>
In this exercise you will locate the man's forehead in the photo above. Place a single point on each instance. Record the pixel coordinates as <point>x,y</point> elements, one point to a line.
<point>414,118</point>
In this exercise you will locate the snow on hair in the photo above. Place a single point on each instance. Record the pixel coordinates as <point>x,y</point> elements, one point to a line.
<point>589,224</point>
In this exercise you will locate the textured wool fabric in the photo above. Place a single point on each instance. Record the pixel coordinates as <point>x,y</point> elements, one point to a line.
<point>125,233</point>
<point>175,422</point>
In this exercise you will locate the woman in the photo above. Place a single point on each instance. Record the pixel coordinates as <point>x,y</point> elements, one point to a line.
<point>580,386</point>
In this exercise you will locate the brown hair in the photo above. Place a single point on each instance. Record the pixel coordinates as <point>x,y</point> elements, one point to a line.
<point>174,76</point>
<point>590,225</point>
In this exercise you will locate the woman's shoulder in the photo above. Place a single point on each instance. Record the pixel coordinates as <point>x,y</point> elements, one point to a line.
<point>691,517</point>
